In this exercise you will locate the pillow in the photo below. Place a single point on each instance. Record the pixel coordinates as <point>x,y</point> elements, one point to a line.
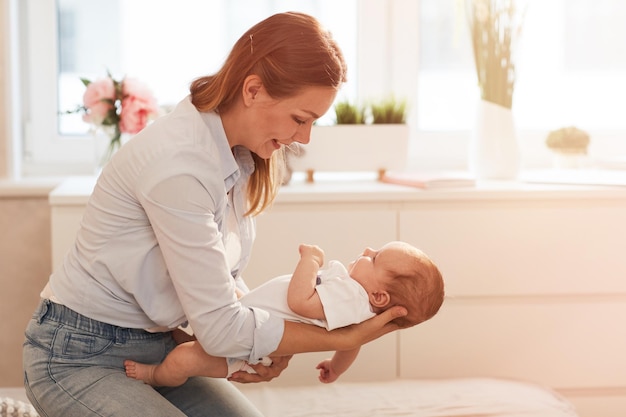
<point>14,408</point>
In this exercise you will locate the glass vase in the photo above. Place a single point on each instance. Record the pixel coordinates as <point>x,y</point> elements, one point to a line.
<point>104,147</point>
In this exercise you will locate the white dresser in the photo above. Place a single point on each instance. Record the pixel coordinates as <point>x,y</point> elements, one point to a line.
<point>535,277</point>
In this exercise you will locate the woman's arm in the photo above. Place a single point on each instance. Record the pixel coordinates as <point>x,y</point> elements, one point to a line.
<point>198,285</point>
<point>300,337</point>
<point>302,298</point>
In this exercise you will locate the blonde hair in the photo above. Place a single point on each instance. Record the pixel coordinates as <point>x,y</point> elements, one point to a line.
<point>418,286</point>
<point>288,51</point>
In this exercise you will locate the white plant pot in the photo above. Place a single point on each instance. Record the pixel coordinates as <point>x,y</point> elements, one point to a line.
<point>493,151</point>
<point>569,160</point>
<point>354,148</point>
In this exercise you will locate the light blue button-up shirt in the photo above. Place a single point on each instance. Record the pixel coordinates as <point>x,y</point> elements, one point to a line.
<point>150,251</point>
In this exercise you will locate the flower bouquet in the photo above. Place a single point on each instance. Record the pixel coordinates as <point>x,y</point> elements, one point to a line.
<point>495,26</point>
<point>116,107</point>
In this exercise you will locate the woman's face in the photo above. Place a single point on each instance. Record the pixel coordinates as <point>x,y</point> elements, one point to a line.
<point>273,123</point>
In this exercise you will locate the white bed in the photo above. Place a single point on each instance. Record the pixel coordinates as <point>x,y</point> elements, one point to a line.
<point>475,397</point>
<point>467,397</point>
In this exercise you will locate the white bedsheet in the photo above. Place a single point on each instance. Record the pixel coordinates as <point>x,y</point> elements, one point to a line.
<point>411,398</point>
<point>470,397</point>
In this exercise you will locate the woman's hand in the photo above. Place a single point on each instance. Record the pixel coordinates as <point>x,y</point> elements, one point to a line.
<point>263,373</point>
<point>375,327</point>
<point>180,336</point>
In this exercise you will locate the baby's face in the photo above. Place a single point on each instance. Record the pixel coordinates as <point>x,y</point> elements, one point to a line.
<point>372,269</point>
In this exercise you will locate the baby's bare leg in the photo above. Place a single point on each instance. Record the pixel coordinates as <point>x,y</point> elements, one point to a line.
<point>186,360</point>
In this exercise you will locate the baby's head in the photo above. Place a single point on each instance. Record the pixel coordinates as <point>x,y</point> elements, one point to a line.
<point>400,274</point>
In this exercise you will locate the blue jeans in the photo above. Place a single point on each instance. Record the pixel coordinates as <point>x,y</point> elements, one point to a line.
<point>73,366</point>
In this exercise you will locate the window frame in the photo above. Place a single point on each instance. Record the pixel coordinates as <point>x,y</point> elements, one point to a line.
<point>9,81</point>
<point>44,150</point>
<point>387,50</point>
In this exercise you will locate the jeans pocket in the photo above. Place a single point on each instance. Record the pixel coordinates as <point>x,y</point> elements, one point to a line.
<point>72,343</point>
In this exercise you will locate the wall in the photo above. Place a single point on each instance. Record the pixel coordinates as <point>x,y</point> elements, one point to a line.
<point>24,237</point>
<point>25,264</point>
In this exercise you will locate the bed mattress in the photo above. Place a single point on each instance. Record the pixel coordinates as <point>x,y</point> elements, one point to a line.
<point>474,397</point>
<point>468,397</point>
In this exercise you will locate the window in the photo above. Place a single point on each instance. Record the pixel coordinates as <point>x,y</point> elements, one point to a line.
<point>571,64</point>
<point>571,71</point>
<point>163,48</point>
<point>165,44</point>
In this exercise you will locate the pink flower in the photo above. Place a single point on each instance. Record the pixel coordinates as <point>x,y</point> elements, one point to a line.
<point>135,114</point>
<point>99,100</point>
<point>134,87</point>
<point>138,106</point>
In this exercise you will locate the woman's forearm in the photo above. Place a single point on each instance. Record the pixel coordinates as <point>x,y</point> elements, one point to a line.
<point>300,337</point>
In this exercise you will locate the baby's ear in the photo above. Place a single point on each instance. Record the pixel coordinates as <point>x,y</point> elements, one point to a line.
<point>379,299</point>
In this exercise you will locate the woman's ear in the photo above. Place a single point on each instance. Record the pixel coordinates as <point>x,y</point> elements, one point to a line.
<point>379,299</point>
<point>251,87</point>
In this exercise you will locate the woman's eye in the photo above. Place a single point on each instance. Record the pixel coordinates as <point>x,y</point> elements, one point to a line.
<point>300,122</point>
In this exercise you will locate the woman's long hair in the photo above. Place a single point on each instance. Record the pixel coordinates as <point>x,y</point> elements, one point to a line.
<point>288,51</point>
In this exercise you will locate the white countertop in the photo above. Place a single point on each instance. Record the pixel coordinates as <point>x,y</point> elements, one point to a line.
<point>535,185</point>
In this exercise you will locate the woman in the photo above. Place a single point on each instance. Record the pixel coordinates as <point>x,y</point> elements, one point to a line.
<point>168,230</point>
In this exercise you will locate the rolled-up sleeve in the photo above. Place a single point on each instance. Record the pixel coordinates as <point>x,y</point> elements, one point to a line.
<point>267,333</point>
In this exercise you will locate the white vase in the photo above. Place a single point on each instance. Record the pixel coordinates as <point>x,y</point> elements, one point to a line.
<point>493,150</point>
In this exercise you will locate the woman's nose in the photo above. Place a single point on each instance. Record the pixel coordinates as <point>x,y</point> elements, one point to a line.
<point>303,134</point>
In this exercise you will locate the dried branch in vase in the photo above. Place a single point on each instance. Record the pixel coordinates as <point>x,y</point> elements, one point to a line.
<point>495,27</point>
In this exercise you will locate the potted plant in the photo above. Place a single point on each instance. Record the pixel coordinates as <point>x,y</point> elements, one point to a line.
<point>347,113</point>
<point>389,111</point>
<point>373,137</point>
<point>569,145</point>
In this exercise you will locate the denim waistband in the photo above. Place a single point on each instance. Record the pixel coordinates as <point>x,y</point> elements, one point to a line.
<point>48,310</point>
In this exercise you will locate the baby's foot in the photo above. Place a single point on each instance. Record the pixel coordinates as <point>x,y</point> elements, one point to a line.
<point>140,371</point>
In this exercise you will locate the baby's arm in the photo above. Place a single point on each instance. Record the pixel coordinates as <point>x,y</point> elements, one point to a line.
<point>330,369</point>
<point>301,295</point>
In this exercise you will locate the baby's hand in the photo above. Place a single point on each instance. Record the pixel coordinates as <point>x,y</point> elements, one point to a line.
<point>327,375</point>
<point>313,251</point>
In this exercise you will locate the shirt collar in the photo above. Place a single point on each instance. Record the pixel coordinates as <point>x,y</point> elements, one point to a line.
<point>234,162</point>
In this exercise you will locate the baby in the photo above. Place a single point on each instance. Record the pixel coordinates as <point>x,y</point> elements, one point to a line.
<point>396,274</point>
